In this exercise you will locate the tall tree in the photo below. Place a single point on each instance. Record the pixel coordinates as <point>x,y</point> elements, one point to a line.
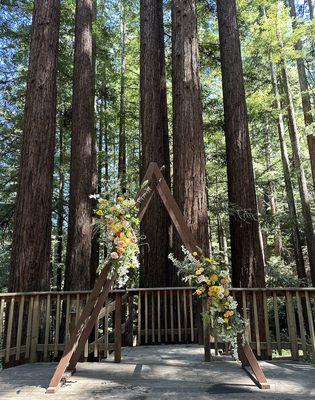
<point>295,233</point>
<point>188,144</point>
<point>246,251</point>
<point>304,90</point>
<point>154,140</point>
<point>122,109</point>
<point>311,8</point>
<point>30,261</point>
<point>299,170</point>
<point>77,275</point>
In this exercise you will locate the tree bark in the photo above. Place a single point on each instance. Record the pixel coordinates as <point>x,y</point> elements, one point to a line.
<point>122,168</point>
<point>31,246</point>
<point>60,206</point>
<point>95,249</point>
<point>277,244</point>
<point>77,275</point>
<point>154,138</point>
<point>311,8</point>
<point>246,251</point>
<point>188,144</point>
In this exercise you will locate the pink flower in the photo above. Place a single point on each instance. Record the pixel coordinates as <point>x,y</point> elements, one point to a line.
<point>114,255</point>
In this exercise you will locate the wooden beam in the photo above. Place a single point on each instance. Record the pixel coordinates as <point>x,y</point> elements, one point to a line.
<point>255,372</point>
<point>91,323</point>
<point>174,212</point>
<point>75,337</point>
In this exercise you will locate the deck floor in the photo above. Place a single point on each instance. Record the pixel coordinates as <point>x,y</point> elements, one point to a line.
<point>161,372</point>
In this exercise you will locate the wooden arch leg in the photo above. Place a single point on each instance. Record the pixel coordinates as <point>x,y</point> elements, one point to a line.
<point>81,329</point>
<point>251,366</point>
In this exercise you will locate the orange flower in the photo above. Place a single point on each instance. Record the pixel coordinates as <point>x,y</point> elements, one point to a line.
<point>120,250</point>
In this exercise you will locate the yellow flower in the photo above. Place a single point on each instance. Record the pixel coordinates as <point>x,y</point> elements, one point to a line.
<point>229,328</point>
<point>120,198</point>
<point>213,268</point>
<point>99,212</point>
<point>208,260</point>
<point>214,277</point>
<point>194,253</point>
<point>199,291</point>
<point>226,320</point>
<point>102,201</point>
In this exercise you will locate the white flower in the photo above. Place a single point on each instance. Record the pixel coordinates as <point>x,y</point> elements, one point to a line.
<point>114,255</point>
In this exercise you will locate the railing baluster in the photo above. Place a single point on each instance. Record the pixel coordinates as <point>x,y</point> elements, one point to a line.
<point>192,338</point>
<point>165,316</point>
<point>301,322</point>
<point>277,324</point>
<point>9,330</point>
<point>139,319</point>
<point>20,328</point>
<point>310,319</point>
<point>47,326</point>
<point>292,326</point>
<point>257,335</point>
<point>185,315</point>
<point>2,305</point>
<point>266,319</point>
<point>67,330</point>
<point>178,318</point>
<point>57,325</point>
<point>118,305</point>
<point>146,318</point>
<point>29,327</point>
<point>172,315</point>
<point>152,316</point>
<point>35,329</point>
<point>159,316</point>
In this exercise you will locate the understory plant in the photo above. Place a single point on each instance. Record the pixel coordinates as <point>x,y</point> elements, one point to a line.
<point>211,278</point>
<point>117,224</point>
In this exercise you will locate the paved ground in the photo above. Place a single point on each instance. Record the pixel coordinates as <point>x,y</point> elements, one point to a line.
<point>161,372</point>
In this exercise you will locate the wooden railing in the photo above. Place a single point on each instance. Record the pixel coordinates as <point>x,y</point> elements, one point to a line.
<point>36,326</point>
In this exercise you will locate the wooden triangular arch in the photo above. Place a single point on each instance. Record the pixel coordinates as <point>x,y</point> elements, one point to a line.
<point>153,181</point>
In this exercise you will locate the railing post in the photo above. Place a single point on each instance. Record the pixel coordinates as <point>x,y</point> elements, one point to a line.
<point>206,335</point>
<point>118,304</point>
<point>129,321</point>
<point>35,330</point>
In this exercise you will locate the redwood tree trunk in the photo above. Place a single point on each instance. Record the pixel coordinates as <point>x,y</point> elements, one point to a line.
<point>299,169</point>
<point>295,233</point>
<point>77,276</point>
<point>122,112</point>
<point>30,261</point>
<point>246,251</point>
<point>305,94</point>
<point>154,137</point>
<point>188,145</point>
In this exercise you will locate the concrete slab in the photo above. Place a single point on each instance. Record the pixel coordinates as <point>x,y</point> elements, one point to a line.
<point>161,372</point>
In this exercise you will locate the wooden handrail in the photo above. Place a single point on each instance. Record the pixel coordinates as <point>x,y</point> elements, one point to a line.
<point>137,290</point>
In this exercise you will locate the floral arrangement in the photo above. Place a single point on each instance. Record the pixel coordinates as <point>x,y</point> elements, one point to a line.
<point>117,223</point>
<point>210,276</point>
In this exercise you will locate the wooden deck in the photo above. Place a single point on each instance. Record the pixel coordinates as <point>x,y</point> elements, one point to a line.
<point>161,372</point>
